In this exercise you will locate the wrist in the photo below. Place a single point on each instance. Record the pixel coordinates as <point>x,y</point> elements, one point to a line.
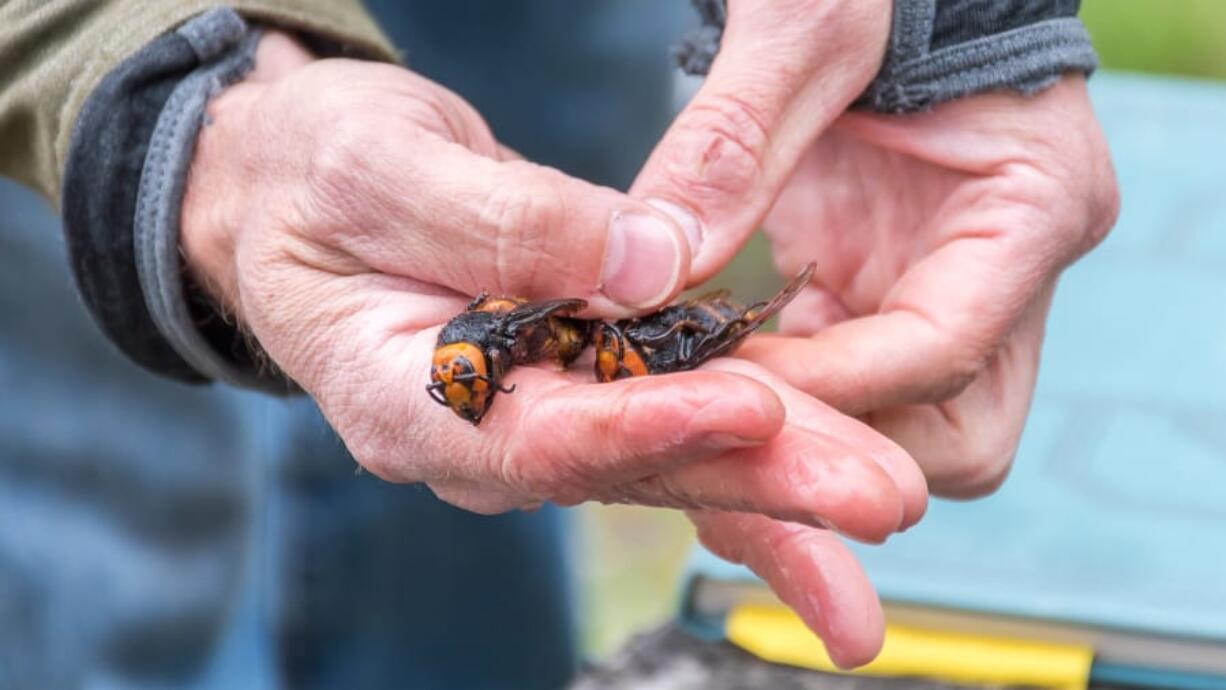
<point>220,190</point>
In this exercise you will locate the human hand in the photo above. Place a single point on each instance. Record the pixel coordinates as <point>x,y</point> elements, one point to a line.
<point>343,210</point>
<point>938,237</point>
<point>810,568</point>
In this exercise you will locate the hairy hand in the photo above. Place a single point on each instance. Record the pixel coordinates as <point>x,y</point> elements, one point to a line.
<point>938,240</point>
<point>344,210</point>
<point>938,237</point>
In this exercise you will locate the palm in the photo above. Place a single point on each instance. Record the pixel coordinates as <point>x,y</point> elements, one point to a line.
<point>946,230</point>
<point>938,238</point>
<point>865,213</point>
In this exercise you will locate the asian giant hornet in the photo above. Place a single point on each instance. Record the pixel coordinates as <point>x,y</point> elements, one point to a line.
<point>685,335</point>
<point>477,348</point>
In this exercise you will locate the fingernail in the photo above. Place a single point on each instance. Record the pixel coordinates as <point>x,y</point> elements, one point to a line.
<point>689,224</point>
<point>642,260</point>
<point>726,441</point>
<point>822,522</point>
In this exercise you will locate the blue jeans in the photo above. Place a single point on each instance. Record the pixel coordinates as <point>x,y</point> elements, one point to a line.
<point>154,534</point>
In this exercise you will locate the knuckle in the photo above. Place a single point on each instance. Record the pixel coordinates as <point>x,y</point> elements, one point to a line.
<point>724,144</point>
<point>712,534</point>
<point>790,538</point>
<point>868,510</point>
<point>1104,206</point>
<point>963,368</point>
<point>568,497</point>
<point>514,467</point>
<point>342,189</point>
<point>519,220</point>
<point>802,482</point>
<point>474,501</point>
<point>976,469</point>
<point>961,352</point>
<point>546,471</point>
<point>586,460</point>
<point>711,539</point>
<point>1082,193</point>
<point>380,443</point>
<point>1101,188</point>
<point>662,491</point>
<point>373,453</point>
<point>565,487</point>
<point>335,157</point>
<point>605,427</point>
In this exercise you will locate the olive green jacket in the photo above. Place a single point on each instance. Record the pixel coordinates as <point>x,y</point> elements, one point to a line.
<point>54,52</point>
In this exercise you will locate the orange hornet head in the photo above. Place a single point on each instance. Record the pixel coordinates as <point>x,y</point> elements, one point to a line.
<point>616,357</point>
<point>462,380</point>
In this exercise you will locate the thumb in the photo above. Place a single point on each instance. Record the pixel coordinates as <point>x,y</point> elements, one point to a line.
<point>785,71</point>
<point>471,223</point>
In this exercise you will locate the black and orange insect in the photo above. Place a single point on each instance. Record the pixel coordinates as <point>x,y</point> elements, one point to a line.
<point>682,336</point>
<point>481,344</point>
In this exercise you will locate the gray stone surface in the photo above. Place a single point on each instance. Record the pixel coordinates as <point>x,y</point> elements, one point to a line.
<point>668,659</point>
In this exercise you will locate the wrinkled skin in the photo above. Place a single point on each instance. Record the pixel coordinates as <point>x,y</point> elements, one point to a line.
<point>939,239</point>
<point>342,211</point>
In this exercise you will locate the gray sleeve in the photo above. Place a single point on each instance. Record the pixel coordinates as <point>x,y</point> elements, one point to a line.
<point>126,168</point>
<point>225,47</point>
<point>123,186</point>
<point>940,50</point>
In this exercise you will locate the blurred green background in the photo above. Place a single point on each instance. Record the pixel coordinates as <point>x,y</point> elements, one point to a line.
<point>629,559</point>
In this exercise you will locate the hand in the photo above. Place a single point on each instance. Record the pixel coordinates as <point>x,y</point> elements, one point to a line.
<point>809,568</point>
<point>938,237</point>
<point>343,210</point>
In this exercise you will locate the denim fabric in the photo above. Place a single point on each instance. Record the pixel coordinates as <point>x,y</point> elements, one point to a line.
<point>582,85</point>
<point>154,534</point>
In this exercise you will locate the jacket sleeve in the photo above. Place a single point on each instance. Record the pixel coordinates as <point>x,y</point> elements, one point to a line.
<point>54,54</point>
<point>940,50</point>
<point>100,115</point>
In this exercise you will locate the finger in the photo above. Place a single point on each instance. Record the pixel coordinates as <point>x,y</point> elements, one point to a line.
<point>823,468</point>
<point>569,443</point>
<point>699,439</point>
<point>966,444</point>
<point>477,497</point>
<point>785,71</point>
<point>707,438</point>
<point>560,440</point>
<point>934,332</point>
<point>798,476</point>
<point>1022,209</point>
<point>473,222</point>
<point>811,571</point>
<point>865,443</point>
<point>506,153</point>
<point>814,309</point>
<point>553,438</point>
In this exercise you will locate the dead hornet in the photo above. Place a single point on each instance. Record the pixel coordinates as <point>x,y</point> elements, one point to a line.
<point>683,336</point>
<point>481,344</point>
